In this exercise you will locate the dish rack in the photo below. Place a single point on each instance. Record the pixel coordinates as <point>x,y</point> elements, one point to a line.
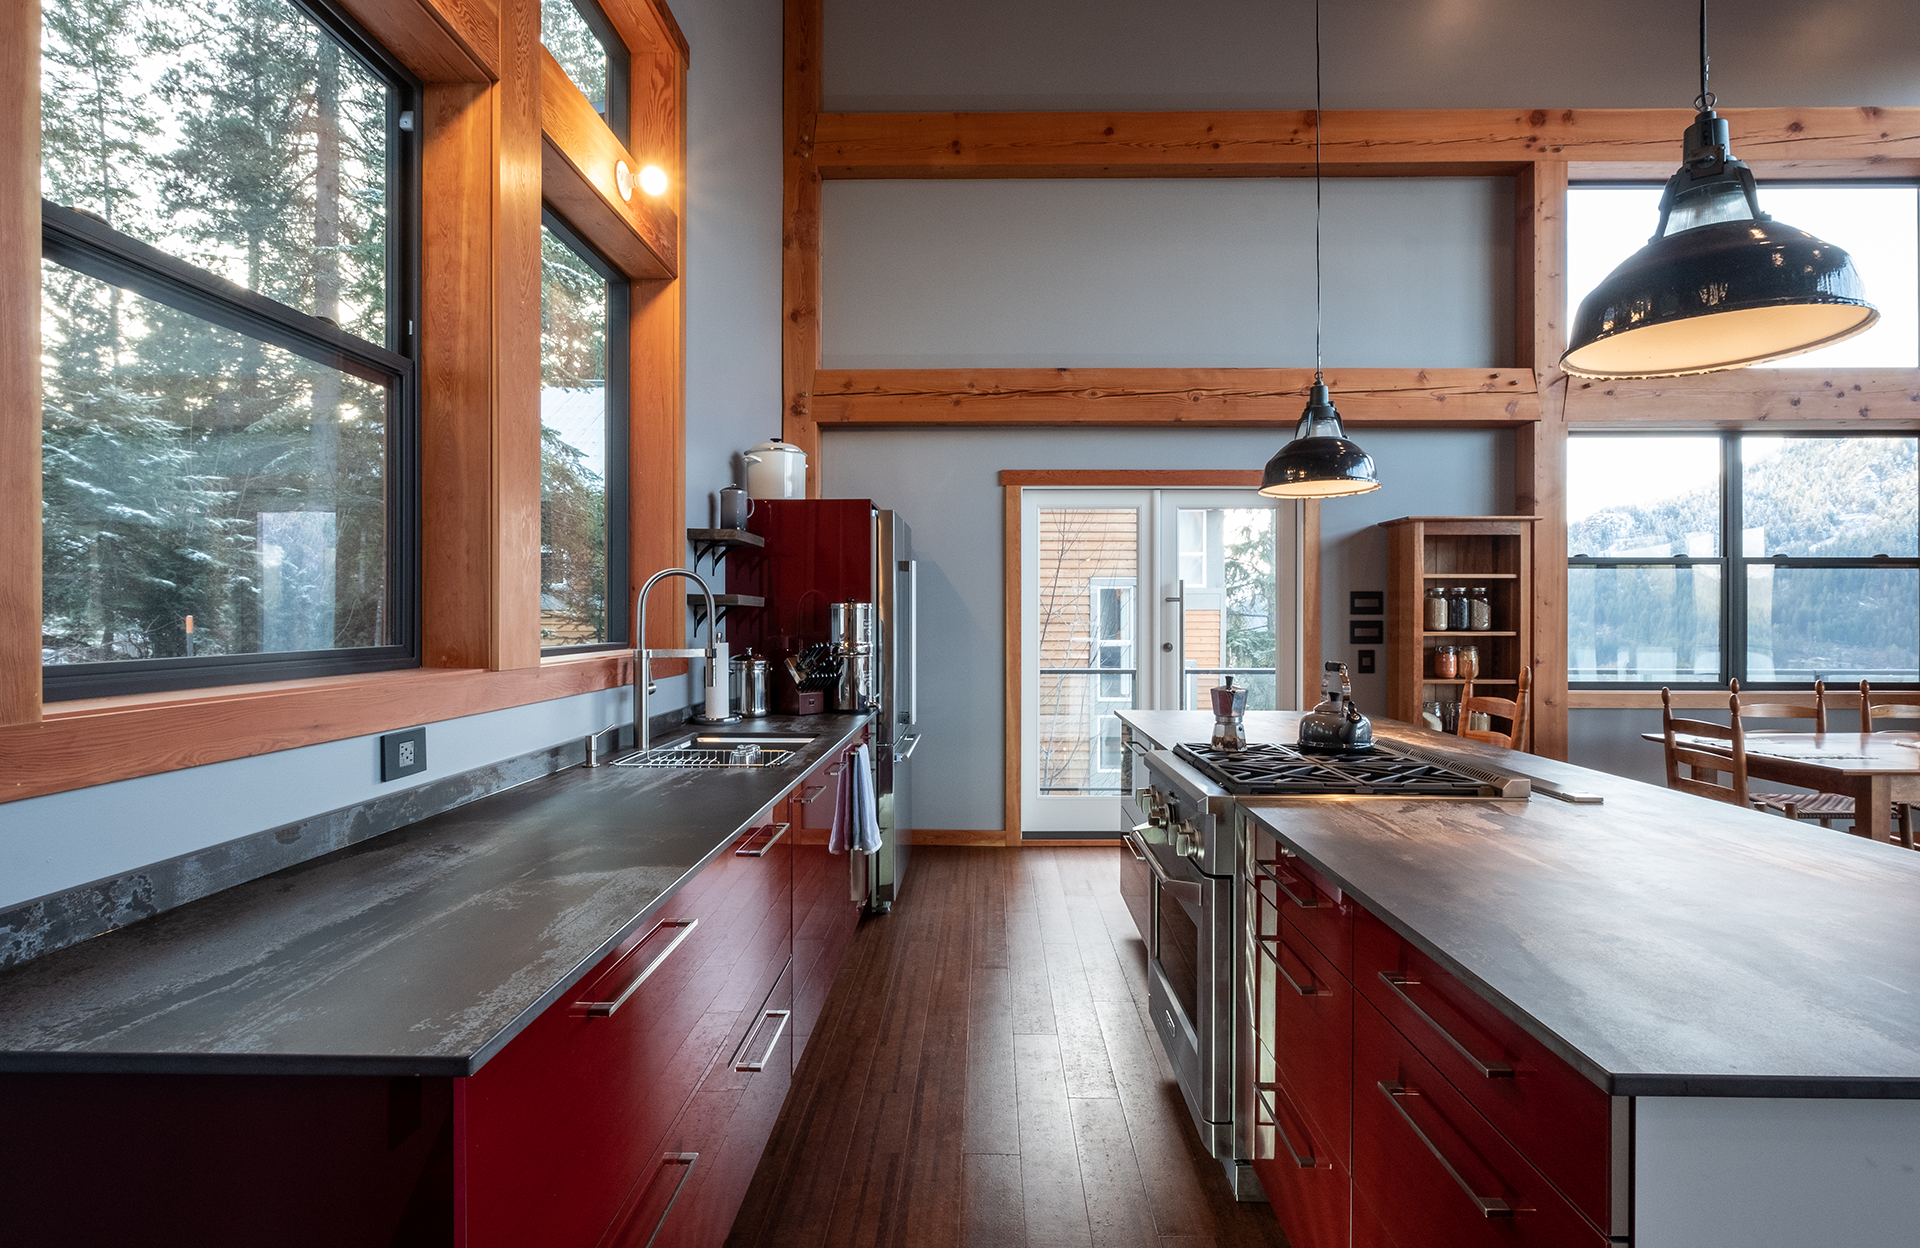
<point>684,756</point>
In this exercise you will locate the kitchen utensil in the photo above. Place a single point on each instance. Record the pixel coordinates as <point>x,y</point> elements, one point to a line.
<point>1336,726</point>
<point>1229,706</point>
<point>776,469</point>
<point>735,506</point>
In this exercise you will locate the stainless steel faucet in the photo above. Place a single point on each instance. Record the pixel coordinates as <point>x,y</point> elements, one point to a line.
<point>643,657</point>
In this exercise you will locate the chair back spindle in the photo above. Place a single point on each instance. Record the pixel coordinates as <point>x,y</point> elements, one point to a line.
<point>1513,710</point>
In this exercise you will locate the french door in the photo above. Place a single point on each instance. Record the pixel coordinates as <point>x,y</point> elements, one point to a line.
<point>1142,599</point>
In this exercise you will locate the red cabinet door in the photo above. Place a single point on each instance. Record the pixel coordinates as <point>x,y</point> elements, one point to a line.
<point>1431,1170</point>
<point>554,1131</point>
<point>825,913</point>
<point>1318,907</point>
<point>1305,1180</point>
<point>1314,1054</point>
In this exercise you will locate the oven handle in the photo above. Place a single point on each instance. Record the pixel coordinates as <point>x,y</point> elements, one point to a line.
<point>1180,890</point>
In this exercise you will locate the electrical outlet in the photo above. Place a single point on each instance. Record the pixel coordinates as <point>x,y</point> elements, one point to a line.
<point>403,753</point>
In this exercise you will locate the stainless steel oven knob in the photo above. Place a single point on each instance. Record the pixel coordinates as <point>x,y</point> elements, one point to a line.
<point>1185,842</point>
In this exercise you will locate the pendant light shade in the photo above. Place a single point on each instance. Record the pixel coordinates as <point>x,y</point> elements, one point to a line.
<point>1721,284</point>
<point>1320,462</point>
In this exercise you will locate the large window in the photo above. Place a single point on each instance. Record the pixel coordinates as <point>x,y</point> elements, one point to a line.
<point>583,445</point>
<point>1774,559</point>
<point>583,41</point>
<point>1877,224</point>
<point>228,421</point>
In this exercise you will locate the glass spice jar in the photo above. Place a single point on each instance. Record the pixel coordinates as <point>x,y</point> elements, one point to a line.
<point>1479,610</point>
<point>1446,662</point>
<point>1430,715</point>
<point>1436,610</point>
<point>1459,615</point>
<point>1468,662</point>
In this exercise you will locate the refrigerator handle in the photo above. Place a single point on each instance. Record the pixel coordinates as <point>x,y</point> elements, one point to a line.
<point>913,641</point>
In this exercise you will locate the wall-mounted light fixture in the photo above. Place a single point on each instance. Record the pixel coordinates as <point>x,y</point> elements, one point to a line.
<point>653,180</point>
<point>623,178</point>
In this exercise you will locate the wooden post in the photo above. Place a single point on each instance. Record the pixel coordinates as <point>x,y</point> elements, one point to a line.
<point>1540,448</point>
<point>800,240</point>
<point>20,366</point>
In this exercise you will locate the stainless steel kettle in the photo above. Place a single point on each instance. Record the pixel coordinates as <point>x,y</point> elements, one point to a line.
<point>1336,726</point>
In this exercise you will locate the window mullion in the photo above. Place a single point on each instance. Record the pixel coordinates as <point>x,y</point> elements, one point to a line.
<point>1733,626</point>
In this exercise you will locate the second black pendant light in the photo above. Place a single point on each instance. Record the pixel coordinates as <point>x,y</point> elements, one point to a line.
<point>1721,284</point>
<point>1321,461</point>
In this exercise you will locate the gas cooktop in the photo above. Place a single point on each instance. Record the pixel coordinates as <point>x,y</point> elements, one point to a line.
<point>1385,770</point>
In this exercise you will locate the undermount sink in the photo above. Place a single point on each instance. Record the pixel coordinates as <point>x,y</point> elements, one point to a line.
<point>715,752</point>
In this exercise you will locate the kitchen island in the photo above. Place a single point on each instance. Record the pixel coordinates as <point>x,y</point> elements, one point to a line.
<point>1692,1024</point>
<point>378,1037</point>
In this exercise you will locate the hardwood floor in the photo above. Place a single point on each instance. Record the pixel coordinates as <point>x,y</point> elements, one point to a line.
<point>985,1074</point>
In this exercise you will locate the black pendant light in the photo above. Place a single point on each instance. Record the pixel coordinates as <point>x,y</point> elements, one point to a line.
<point>1721,284</point>
<point>1320,462</point>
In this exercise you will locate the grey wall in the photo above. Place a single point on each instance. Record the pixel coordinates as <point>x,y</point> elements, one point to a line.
<point>934,55</point>
<point>946,484</point>
<point>732,267</point>
<point>1165,273</point>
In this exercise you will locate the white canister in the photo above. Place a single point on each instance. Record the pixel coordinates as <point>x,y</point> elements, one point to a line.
<point>776,469</point>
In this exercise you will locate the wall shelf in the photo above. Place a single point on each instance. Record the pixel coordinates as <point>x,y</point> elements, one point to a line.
<point>716,544</point>
<point>722,604</point>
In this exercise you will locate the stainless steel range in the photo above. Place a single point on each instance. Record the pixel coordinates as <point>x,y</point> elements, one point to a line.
<point>1181,828</point>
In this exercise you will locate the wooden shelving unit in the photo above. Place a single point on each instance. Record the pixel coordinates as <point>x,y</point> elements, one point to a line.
<point>1490,552</point>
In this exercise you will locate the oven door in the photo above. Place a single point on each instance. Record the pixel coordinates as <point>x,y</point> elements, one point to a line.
<point>1190,997</point>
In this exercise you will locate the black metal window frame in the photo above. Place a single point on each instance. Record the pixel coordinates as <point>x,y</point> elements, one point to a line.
<point>619,391</point>
<point>84,243</point>
<point>1731,561</point>
<point>619,69</point>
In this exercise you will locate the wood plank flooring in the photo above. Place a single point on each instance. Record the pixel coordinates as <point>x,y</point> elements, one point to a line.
<point>985,1074</point>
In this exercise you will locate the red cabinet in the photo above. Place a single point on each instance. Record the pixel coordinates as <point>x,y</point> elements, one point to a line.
<point>1307,899</point>
<point>825,912</point>
<point>1302,1171</point>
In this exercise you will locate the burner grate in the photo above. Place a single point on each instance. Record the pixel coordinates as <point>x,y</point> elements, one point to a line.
<point>1277,769</point>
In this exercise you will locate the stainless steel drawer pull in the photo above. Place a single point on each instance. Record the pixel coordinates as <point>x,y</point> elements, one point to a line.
<point>752,847</point>
<point>747,1041</point>
<point>1306,990</point>
<point>1489,1206</point>
<point>912,743</point>
<point>837,768</point>
<point>684,1160</point>
<point>809,796</point>
<point>1268,869</point>
<point>1399,984</point>
<point>605,1009</point>
<point>1270,1103</point>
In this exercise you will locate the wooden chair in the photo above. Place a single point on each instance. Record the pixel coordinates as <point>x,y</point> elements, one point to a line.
<point>1513,710</point>
<point>1700,762</point>
<point>1903,705</point>
<point>1826,807</point>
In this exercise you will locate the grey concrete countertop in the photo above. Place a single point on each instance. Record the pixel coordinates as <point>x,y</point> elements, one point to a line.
<point>421,952</point>
<point>1664,944</point>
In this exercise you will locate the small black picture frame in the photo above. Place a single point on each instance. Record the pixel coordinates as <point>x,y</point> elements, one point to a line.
<point>1366,633</point>
<point>1366,602</point>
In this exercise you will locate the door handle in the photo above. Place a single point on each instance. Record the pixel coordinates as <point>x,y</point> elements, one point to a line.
<point>1179,890</point>
<point>746,1040</point>
<point>1270,870</point>
<point>1489,1206</point>
<point>1127,839</point>
<point>1180,652</point>
<point>607,1008</point>
<point>686,1161</point>
<point>1308,989</point>
<point>1271,1104</point>
<point>913,743</point>
<point>750,850</point>
<point>1398,985</point>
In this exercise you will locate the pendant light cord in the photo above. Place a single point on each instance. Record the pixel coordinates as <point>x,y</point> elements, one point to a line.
<point>1705,101</point>
<point>1319,298</point>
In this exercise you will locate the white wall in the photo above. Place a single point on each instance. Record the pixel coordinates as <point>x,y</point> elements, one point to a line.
<point>945,483</point>
<point>1165,273</point>
<point>732,269</point>
<point>938,56</point>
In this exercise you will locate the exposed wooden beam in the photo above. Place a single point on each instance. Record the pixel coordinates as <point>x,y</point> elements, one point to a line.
<point>1540,448</point>
<point>800,236</point>
<point>1189,397</point>
<point>1278,144</point>
<point>438,40</point>
<point>20,365</point>
<point>514,522</point>
<point>578,159</point>
<point>1762,398</point>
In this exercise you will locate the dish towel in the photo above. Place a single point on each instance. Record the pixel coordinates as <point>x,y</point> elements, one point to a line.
<point>854,823</point>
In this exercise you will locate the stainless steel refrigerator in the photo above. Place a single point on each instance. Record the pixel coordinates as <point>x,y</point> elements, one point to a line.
<point>819,552</point>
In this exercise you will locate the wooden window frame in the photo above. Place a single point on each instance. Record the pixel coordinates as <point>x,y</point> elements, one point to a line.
<point>1541,149</point>
<point>496,141</point>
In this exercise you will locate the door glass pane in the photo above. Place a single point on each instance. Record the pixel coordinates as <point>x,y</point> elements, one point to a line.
<point>191,472</point>
<point>573,447</point>
<point>1649,497</point>
<point>1830,498</point>
<point>1655,624</point>
<point>1088,629</point>
<point>1230,623</point>
<point>1843,624</point>
<point>238,136</point>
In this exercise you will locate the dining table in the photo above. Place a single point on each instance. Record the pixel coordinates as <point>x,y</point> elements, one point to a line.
<point>1876,769</point>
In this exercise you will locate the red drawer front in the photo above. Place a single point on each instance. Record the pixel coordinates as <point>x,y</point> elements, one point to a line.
<point>1315,1035</point>
<point>560,1125</point>
<point>1322,912</point>
<point>1306,1185</point>
<point>1431,1169</point>
<point>1557,1118</point>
